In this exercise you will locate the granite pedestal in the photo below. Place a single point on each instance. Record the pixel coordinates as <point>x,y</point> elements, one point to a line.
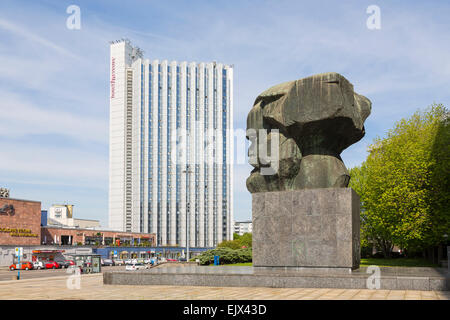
<point>391,278</point>
<point>309,228</point>
<point>301,239</point>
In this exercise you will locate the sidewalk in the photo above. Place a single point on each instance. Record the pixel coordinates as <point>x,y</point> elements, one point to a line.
<point>92,288</point>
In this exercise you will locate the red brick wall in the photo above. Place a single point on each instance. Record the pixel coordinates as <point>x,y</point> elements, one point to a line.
<point>77,234</point>
<point>26,220</point>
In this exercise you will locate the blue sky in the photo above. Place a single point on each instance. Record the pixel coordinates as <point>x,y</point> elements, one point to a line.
<point>54,81</point>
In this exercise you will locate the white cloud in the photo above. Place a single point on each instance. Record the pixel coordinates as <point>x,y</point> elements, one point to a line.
<point>53,165</point>
<point>21,117</point>
<point>22,32</point>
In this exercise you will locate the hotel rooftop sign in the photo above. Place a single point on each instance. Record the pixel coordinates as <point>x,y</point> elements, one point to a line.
<point>4,193</point>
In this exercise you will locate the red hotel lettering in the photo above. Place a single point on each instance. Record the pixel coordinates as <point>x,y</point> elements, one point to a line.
<point>113,77</point>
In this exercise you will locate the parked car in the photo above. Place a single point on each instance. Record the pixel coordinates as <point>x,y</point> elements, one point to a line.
<point>107,262</point>
<point>136,266</point>
<point>118,262</point>
<point>171,260</point>
<point>25,266</point>
<point>51,265</point>
<point>131,261</point>
<point>63,263</point>
<point>38,265</point>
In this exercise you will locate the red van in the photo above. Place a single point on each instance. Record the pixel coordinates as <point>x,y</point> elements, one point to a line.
<point>25,266</point>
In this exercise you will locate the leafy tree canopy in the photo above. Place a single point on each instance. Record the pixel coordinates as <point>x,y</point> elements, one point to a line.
<point>238,242</point>
<point>404,183</point>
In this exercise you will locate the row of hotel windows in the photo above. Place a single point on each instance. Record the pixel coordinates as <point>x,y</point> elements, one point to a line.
<point>225,225</point>
<point>178,169</point>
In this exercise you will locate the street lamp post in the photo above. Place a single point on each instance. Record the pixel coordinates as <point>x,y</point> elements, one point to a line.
<point>187,171</point>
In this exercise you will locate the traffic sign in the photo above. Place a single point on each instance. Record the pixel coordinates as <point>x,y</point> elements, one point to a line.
<point>19,251</point>
<point>19,254</point>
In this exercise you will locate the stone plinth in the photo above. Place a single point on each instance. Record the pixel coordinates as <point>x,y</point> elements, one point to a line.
<point>392,278</point>
<point>310,228</point>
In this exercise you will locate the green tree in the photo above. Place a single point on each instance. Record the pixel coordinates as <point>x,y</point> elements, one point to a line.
<point>239,242</point>
<point>404,185</point>
<point>226,256</point>
<point>232,244</point>
<point>246,240</point>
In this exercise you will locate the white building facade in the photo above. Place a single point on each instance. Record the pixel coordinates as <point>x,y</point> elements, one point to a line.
<point>241,227</point>
<point>171,148</point>
<point>62,215</point>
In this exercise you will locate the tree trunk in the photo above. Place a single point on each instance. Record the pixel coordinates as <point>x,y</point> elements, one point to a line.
<point>387,248</point>
<point>430,254</point>
<point>439,253</point>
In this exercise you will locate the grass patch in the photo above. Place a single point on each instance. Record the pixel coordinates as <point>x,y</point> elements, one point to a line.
<point>397,262</point>
<point>244,264</point>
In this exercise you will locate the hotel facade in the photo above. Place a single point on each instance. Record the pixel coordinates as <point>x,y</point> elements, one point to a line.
<point>170,148</point>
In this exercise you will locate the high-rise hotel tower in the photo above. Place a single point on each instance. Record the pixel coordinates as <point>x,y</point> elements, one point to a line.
<point>170,148</point>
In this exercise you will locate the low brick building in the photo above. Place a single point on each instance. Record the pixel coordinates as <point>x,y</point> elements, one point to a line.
<point>20,222</point>
<point>52,235</point>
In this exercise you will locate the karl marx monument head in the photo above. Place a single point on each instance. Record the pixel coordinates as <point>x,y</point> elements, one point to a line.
<point>307,124</point>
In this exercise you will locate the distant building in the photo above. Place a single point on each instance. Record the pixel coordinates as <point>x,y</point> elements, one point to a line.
<point>241,227</point>
<point>57,235</point>
<point>62,215</point>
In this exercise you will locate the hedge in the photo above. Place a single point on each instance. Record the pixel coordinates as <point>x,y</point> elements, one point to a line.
<point>226,256</point>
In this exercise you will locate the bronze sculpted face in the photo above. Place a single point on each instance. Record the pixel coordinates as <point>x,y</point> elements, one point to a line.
<point>308,122</point>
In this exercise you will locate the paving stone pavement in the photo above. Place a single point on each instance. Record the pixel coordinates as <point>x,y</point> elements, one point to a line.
<point>92,288</point>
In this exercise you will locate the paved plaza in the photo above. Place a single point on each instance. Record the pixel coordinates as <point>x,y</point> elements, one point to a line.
<point>92,288</point>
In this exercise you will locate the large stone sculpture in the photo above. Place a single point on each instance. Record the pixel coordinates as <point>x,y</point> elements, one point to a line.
<point>317,118</point>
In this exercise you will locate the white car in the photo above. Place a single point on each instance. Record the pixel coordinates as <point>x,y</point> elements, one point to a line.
<point>131,261</point>
<point>136,266</point>
<point>38,265</point>
<point>118,262</point>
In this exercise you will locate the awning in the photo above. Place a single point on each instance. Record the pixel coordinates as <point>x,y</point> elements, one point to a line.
<point>48,251</point>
